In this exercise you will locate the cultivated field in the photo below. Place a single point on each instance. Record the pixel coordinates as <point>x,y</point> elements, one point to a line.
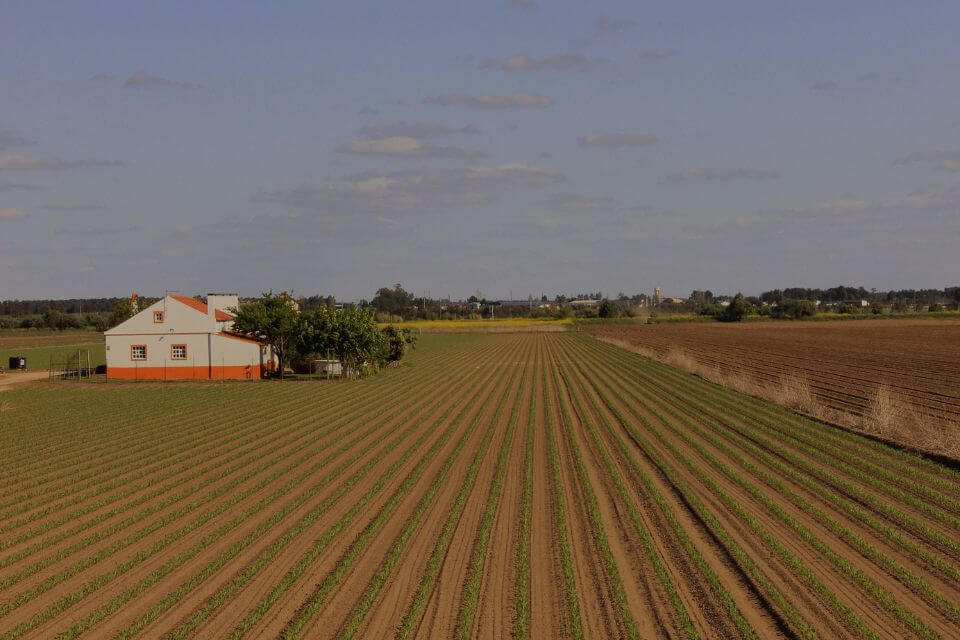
<point>899,378</point>
<point>497,325</point>
<point>39,347</point>
<point>515,485</point>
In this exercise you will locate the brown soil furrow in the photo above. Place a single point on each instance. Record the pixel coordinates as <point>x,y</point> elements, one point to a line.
<point>549,616</point>
<point>345,596</point>
<point>279,564</point>
<point>843,362</point>
<point>495,610</point>
<point>273,572</point>
<point>809,608</point>
<point>649,608</point>
<point>700,602</point>
<point>443,601</point>
<point>597,610</point>
<point>444,604</point>
<point>694,503</point>
<point>840,584</point>
<point>154,562</point>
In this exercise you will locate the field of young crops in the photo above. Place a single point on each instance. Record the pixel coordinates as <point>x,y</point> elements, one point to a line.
<point>495,485</point>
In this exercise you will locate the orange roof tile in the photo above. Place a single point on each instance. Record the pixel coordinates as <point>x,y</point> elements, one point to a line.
<point>237,336</point>
<point>222,316</point>
<point>193,303</point>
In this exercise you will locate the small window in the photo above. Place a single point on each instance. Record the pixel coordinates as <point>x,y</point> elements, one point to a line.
<point>138,352</point>
<point>158,316</point>
<point>178,352</point>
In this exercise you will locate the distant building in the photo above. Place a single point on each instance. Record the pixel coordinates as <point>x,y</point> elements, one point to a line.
<point>182,338</point>
<point>583,304</point>
<point>657,296</point>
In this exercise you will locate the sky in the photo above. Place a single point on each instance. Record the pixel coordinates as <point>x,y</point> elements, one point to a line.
<point>508,146</point>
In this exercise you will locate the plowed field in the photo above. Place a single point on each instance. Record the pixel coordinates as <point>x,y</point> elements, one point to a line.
<point>513,485</point>
<point>844,362</point>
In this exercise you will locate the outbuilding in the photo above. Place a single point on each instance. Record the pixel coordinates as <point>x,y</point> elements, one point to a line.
<point>183,338</point>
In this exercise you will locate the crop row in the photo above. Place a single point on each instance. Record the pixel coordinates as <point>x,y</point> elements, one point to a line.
<point>234,499</point>
<point>673,416</point>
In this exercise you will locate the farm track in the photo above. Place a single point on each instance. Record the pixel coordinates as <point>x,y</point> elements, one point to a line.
<point>521,485</point>
<point>843,362</point>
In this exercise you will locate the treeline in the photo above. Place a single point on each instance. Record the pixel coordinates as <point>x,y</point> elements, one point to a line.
<point>846,294</point>
<point>99,315</point>
<point>72,306</point>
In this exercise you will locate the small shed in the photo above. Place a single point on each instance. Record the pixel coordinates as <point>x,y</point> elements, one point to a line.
<point>328,366</point>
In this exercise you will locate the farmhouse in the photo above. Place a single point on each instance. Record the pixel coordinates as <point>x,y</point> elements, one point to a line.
<point>181,338</point>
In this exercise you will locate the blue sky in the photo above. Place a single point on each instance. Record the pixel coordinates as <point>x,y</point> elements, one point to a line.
<point>503,146</point>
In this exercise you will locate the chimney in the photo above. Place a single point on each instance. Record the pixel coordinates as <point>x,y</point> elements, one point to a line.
<point>222,302</point>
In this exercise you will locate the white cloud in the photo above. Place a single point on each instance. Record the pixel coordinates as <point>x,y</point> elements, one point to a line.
<point>9,139</point>
<point>520,100</point>
<point>13,186</point>
<point>651,55</point>
<point>722,175</point>
<point>605,26</point>
<point>29,163</point>
<point>71,206</point>
<point>828,85</point>
<point>413,190</point>
<point>406,147</point>
<point>7,214</point>
<point>142,80</point>
<point>613,140</point>
<point>573,202</point>
<point>558,62</point>
<point>940,160</point>
<point>939,201</point>
<point>414,130</point>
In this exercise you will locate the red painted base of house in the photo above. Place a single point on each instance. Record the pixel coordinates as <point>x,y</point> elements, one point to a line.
<point>217,372</point>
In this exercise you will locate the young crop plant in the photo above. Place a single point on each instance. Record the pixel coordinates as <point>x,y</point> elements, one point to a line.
<point>720,591</point>
<point>351,626</point>
<point>482,541</point>
<point>322,591</point>
<point>560,521</point>
<point>521,626</point>
<point>414,611</point>
<point>789,613</point>
<point>596,521</point>
<point>907,617</point>
<point>171,538</point>
<point>424,405</point>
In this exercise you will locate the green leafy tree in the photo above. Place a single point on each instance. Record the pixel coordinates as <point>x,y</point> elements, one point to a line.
<point>609,309</point>
<point>52,319</point>
<point>394,301</point>
<point>273,318</point>
<point>398,341</point>
<point>123,310</point>
<point>794,309</point>
<point>352,335</point>
<point>738,309</point>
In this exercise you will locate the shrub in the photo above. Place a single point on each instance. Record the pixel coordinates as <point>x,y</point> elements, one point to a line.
<point>738,309</point>
<point>609,309</point>
<point>794,309</point>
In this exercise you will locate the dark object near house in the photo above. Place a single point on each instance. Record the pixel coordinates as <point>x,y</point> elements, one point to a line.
<point>17,362</point>
<point>101,369</point>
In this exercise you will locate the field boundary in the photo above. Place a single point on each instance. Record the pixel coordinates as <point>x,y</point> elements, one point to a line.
<point>684,362</point>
